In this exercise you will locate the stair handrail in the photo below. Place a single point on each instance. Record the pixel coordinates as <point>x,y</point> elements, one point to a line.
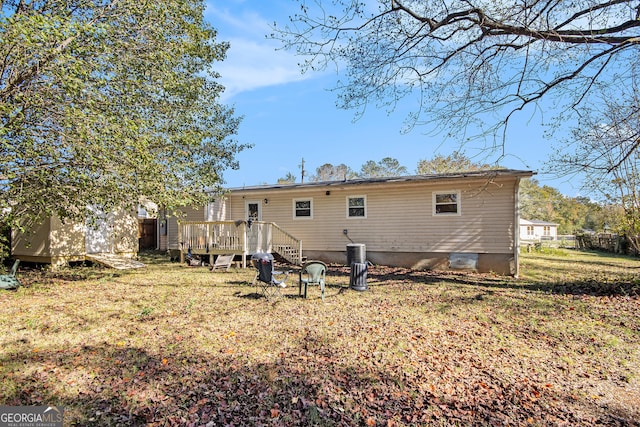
<point>281,238</point>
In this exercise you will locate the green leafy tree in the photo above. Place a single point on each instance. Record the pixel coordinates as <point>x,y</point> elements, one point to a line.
<point>102,102</point>
<point>454,162</point>
<point>572,214</point>
<point>388,166</point>
<point>537,202</point>
<point>595,216</point>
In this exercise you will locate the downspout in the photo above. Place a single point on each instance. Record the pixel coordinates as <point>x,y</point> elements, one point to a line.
<point>516,228</point>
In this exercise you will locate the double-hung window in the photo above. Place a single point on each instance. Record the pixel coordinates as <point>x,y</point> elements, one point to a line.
<point>303,208</point>
<point>446,202</point>
<point>356,207</point>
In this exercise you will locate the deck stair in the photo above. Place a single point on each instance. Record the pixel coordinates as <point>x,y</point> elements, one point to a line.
<point>288,254</point>
<point>285,245</point>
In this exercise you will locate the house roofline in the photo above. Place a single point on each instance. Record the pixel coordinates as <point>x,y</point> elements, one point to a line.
<point>492,173</point>
<point>536,222</point>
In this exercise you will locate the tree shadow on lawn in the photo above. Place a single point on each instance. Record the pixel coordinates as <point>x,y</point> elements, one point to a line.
<point>600,259</point>
<point>33,276</point>
<point>251,295</point>
<point>396,276</point>
<point>108,385</point>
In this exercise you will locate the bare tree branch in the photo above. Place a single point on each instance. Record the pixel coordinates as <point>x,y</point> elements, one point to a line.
<point>470,58</point>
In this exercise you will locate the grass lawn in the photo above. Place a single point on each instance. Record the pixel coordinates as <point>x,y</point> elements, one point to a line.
<point>176,345</point>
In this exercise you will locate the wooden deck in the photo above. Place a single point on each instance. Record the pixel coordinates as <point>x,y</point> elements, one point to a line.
<point>225,237</point>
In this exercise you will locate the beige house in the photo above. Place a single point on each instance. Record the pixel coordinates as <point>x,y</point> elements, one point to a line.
<point>459,220</point>
<point>55,242</point>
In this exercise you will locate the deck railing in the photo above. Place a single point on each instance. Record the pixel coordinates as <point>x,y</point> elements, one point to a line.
<point>224,237</point>
<point>286,245</point>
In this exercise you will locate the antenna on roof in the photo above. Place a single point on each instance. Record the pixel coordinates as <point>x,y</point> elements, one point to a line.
<point>302,171</point>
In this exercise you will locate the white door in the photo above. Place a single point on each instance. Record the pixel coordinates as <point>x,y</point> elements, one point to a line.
<point>253,214</point>
<point>99,232</point>
<point>253,210</point>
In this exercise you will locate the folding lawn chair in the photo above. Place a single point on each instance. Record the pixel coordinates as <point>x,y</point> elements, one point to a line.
<point>270,286</point>
<point>223,261</point>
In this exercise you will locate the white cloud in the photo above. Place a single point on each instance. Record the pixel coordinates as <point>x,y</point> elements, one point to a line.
<point>253,61</point>
<point>251,65</point>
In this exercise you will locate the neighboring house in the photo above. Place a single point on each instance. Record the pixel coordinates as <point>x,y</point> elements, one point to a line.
<point>538,230</point>
<point>466,220</point>
<point>56,242</point>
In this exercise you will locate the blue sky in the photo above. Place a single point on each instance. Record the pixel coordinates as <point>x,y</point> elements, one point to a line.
<point>290,116</point>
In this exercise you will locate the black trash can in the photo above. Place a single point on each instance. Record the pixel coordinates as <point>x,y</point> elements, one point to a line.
<point>358,276</point>
<point>356,252</point>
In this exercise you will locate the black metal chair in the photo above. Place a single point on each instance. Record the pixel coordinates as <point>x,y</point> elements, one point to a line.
<point>265,276</point>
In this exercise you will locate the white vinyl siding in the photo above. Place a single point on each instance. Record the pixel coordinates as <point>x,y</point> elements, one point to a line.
<point>398,217</point>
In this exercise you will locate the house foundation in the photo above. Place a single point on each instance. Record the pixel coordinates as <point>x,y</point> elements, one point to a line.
<point>503,264</point>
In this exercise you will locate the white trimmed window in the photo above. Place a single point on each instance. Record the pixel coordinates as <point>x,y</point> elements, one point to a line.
<point>446,202</point>
<point>529,230</point>
<point>303,208</point>
<point>356,207</point>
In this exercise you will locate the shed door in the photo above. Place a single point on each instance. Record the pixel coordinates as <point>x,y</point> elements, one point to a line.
<point>147,231</point>
<point>99,233</point>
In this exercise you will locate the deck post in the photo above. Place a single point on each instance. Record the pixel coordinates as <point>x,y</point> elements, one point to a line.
<point>209,242</point>
<point>244,245</point>
<point>300,252</point>
<point>180,242</point>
